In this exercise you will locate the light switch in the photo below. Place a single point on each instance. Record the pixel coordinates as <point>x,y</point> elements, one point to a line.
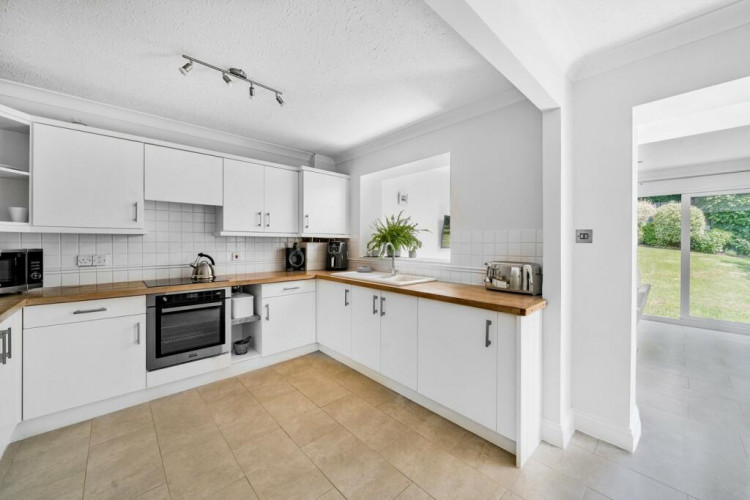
<point>584,235</point>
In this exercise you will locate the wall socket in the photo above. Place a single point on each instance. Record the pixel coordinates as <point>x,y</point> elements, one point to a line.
<point>94,260</point>
<point>85,260</point>
<point>101,260</point>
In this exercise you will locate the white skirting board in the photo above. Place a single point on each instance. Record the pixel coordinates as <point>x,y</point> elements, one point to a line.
<point>625,438</point>
<point>47,423</point>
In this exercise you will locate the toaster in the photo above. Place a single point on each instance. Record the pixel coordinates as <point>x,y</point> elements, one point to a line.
<point>516,277</point>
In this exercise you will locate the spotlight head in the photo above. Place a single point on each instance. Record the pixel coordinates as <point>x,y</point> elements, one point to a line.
<point>186,68</point>
<point>227,80</point>
<point>252,91</point>
<point>279,100</point>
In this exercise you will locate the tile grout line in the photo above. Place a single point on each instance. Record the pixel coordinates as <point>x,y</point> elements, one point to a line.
<point>161,457</point>
<point>88,455</point>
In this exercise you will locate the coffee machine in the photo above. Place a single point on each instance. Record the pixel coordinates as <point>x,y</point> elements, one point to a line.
<point>337,258</point>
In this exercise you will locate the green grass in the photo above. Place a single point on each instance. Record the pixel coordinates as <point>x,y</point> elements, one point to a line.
<point>719,284</point>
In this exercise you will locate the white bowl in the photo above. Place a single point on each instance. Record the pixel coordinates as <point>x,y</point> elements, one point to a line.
<point>19,214</point>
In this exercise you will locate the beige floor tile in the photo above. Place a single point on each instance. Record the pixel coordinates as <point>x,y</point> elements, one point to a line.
<point>124,466</point>
<point>509,495</point>
<point>64,488</point>
<point>594,495</point>
<point>159,493</point>
<point>239,490</point>
<point>355,470</point>
<point>261,376</point>
<point>8,455</point>
<point>498,465</point>
<point>221,389</point>
<point>365,388</point>
<point>308,426</point>
<point>538,481</point>
<point>271,390</point>
<point>369,424</point>
<point>413,492</point>
<point>406,411</point>
<point>332,494</point>
<point>296,366</point>
<point>180,419</point>
<point>127,421</point>
<point>320,389</point>
<point>584,441</point>
<point>233,407</point>
<point>201,468</point>
<point>47,458</point>
<point>469,448</point>
<point>430,425</point>
<point>277,468</point>
<point>289,405</point>
<point>240,432</point>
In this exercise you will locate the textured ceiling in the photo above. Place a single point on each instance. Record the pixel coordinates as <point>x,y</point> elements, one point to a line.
<point>581,28</point>
<point>350,70</point>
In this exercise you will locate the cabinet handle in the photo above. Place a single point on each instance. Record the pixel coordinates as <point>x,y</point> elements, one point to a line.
<point>87,311</point>
<point>291,288</point>
<point>138,333</point>
<point>374,304</point>
<point>307,221</point>
<point>4,353</point>
<point>268,219</point>
<point>136,211</point>
<point>346,297</point>
<point>10,343</point>
<point>260,219</point>
<point>268,312</point>
<point>487,341</point>
<point>382,306</point>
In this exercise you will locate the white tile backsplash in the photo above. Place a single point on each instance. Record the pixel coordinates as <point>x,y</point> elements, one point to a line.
<point>177,232</point>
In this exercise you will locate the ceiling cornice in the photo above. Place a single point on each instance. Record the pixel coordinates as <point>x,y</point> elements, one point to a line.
<point>478,108</point>
<point>705,26</point>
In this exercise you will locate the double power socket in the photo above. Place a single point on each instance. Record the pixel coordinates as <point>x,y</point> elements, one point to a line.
<point>93,260</point>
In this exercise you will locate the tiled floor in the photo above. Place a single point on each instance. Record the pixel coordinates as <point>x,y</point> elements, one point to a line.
<point>313,428</point>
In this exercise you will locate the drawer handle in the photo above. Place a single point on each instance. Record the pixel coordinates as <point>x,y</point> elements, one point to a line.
<point>374,304</point>
<point>87,311</point>
<point>291,288</point>
<point>10,343</point>
<point>4,353</point>
<point>382,306</point>
<point>487,341</point>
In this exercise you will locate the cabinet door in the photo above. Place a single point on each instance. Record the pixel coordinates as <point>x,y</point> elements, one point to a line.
<point>366,326</point>
<point>398,338</point>
<point>86,180</point>
<point>456,366</point>
<point>334,316</point>
<point>10,378</point>
<point>243,196</point>
<point>325,201</point>
<point>183,176</point>
<point>288,322</point>
<point>282,201</point>
<point>75,364</point>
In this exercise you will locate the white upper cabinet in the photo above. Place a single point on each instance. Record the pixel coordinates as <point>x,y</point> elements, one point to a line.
<point>86,181</point>
<point>325,203</point>
<point>183,176</point>
<point>282,198</point>
<point>243,197</point>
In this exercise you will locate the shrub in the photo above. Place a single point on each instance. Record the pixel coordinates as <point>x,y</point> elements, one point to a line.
<point>667,224</point>
<point>646,211</point>
<point>711,241</point>
<point>738,245</point>
<point>648,232</point>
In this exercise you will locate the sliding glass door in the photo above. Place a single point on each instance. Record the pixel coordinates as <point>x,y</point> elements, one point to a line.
<point>694,251</point>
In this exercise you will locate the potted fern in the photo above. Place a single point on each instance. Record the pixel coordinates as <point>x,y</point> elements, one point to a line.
<point>398,230</point>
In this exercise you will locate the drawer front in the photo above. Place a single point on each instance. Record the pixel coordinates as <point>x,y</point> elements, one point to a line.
<point>288,288</point>
<point>87,310</point>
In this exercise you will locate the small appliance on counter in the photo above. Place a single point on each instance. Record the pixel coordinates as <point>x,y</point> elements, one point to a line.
<point>315,254</point>
<point>243,305</point>
<point>21,270</point>
<point>338,256</point>
<point>295,259</point>
<point>516,277</point>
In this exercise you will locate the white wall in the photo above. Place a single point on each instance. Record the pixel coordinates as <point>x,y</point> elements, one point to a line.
<point>603,357</point>
<point>496,172</point>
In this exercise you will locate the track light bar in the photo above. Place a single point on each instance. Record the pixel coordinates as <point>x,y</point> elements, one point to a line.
<point>229,74</point>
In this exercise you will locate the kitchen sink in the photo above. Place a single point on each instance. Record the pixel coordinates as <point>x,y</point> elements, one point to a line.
<point>385,278</point>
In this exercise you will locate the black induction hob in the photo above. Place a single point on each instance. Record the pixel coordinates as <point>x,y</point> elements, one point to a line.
<point>179,281</point>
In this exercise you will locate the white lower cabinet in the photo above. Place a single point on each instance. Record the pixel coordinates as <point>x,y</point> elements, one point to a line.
<point>458,359</point>
<point>334,316</point>
<point>288,322</point>
<point>366,326</point>
<point>72,364</point>
<point>11,353</point>
<point>398,338</point>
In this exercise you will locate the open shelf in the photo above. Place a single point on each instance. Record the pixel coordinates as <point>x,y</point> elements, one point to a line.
<point>8,172</point>
<point>248,319</point>
<point>251,354</point>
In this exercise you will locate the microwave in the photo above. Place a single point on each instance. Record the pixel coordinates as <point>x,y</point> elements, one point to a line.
<point>20,270</point>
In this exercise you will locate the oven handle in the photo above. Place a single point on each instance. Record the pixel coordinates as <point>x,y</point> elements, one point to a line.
<point>209,305</point>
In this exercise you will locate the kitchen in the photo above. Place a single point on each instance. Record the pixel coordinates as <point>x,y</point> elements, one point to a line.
<point>205,305</point>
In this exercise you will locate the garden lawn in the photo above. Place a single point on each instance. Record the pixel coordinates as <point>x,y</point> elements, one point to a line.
<point>720,284</point>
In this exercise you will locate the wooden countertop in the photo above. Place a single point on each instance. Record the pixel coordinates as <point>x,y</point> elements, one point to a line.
<point>467,295</point>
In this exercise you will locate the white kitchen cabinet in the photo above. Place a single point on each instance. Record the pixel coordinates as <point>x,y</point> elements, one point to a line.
<point>259,199</point>
<point>365,336</point>
<point>398,338</point>
<point>86,181</point>
<point>334,316</point>
<point>11,350</point>
<point>78,363</point>
<point>288,322</point>
<point>183,176</point>
<point>324,209</point>
<point>458,359</point>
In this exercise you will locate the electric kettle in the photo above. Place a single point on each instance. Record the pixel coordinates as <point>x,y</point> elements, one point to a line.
<point>202,269</point>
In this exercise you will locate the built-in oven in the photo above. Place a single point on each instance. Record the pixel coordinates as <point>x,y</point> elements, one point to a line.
<point>187,326</point>
<point>20,270</point>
